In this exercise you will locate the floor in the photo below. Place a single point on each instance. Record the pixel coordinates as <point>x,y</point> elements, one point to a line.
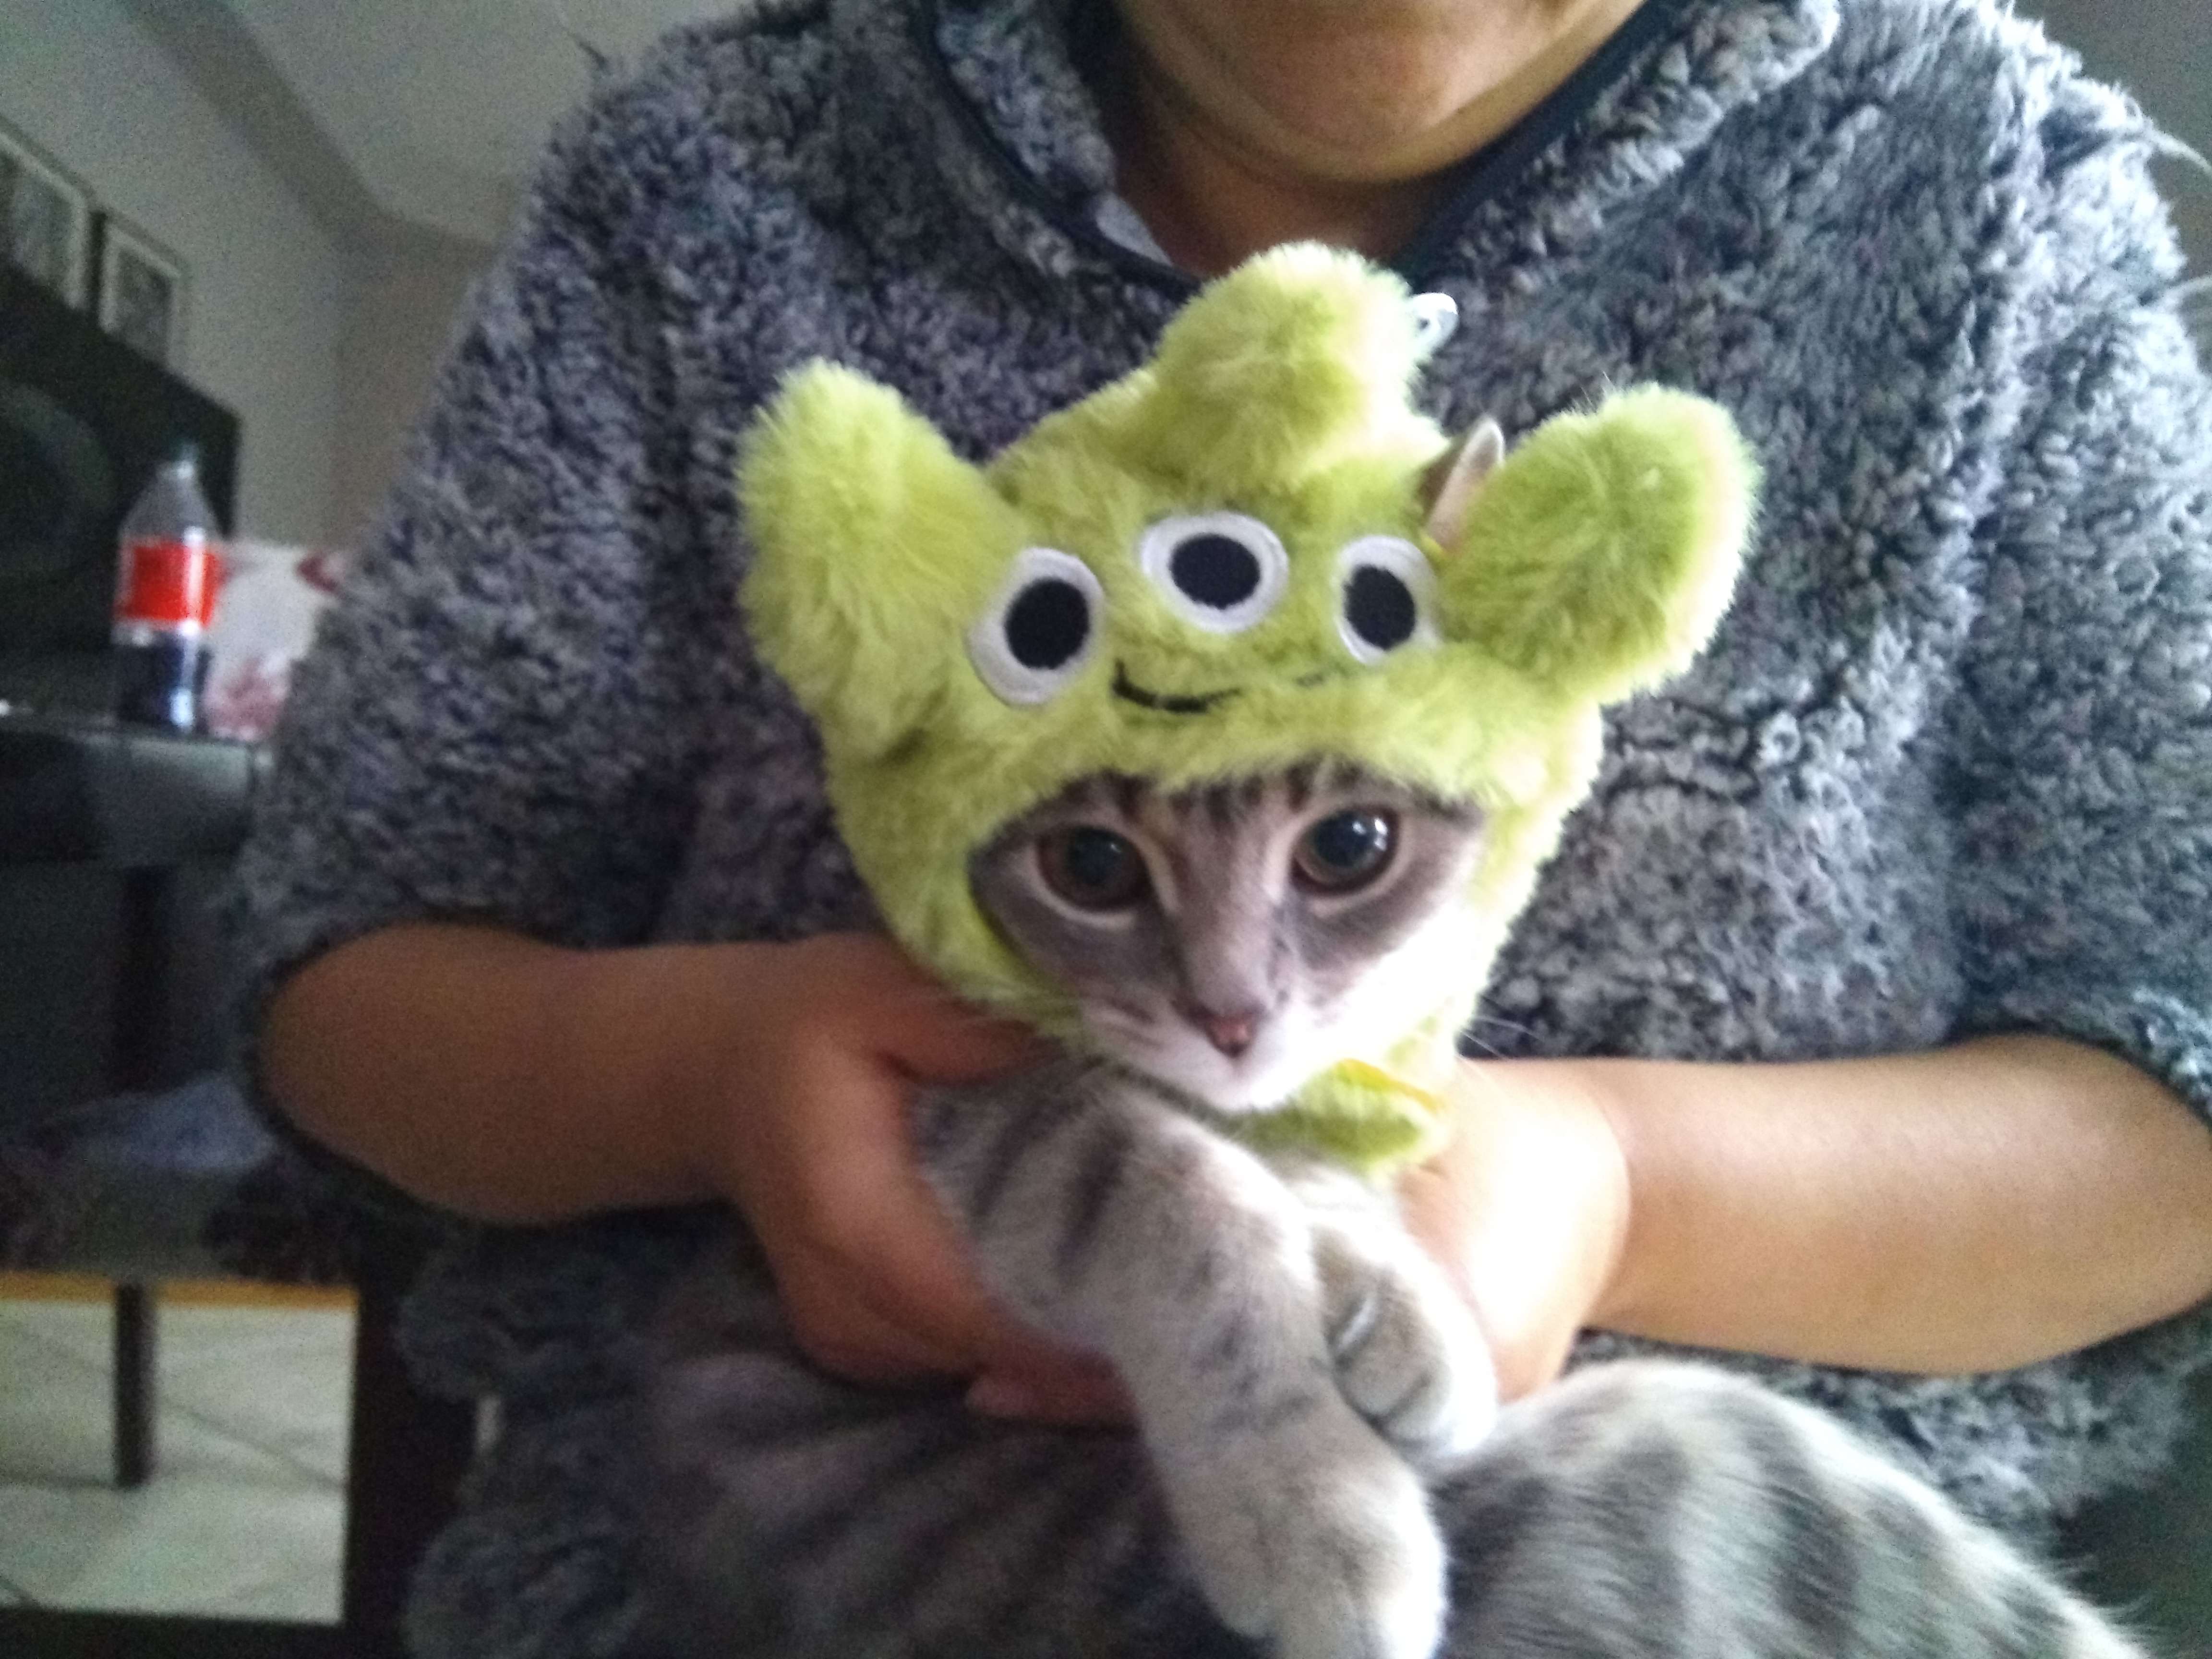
<point>243,1515</point>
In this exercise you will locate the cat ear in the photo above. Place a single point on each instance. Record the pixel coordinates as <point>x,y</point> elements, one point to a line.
<point>872,543</point>
<point>1455,478</point>
<point>1600,557</point>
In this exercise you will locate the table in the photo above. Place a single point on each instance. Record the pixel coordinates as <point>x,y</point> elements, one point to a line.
<point>104,829</point>
<point>108,834</point>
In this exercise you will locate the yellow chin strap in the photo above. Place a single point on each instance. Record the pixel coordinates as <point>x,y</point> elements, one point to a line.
<point>1355,1114</point>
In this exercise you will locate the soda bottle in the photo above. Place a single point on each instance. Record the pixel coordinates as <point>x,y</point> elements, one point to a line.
<point>169,567</point>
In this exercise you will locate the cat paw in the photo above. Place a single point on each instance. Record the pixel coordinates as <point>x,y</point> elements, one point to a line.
<point>1317,1540</point>
<point>1409,1358</point>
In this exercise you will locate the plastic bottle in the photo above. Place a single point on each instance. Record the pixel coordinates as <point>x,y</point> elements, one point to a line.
<point>169,567</point>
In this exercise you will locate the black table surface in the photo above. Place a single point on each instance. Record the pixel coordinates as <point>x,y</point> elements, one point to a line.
<point>82,787</point>
<point>115,842</point>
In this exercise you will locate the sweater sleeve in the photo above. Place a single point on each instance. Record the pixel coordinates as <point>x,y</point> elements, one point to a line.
<point>499,716</point>
<point>2083,776</point>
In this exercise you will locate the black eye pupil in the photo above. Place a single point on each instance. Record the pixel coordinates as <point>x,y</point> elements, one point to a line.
<point>1214,570</point>
<point>1349,840</point>
<point>1048,623</point>
<point>1097,858</point>
<point>1379,607</point>
<point>1345,851</point>
<point>1094,868</point>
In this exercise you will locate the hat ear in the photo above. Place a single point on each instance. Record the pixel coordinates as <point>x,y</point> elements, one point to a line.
<point>1600,554</point>
<point>1278,370</point>
<point>871,543</point>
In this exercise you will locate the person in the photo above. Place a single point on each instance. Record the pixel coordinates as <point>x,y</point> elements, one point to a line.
<point>1861,1031</point>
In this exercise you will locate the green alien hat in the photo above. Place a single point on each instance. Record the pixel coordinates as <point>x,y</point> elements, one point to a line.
<point>1252,551</point>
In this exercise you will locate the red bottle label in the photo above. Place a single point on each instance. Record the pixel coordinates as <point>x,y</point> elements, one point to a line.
<point>168,584</point>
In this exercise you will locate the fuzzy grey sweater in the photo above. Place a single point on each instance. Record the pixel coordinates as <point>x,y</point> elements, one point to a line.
<point>1947,770</point>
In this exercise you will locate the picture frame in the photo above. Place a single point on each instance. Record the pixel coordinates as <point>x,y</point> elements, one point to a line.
<point>144,291</point>
<point>45,218</point>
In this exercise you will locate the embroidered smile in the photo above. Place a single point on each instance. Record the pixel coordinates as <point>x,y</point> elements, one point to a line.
<point>1128,689</point>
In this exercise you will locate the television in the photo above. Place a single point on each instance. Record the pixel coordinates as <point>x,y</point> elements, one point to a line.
<point>84,420</point>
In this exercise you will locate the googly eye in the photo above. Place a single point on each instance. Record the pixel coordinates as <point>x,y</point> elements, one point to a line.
<point>1221,571</point>
<point>1385,596</point>
<point>1041,628</point>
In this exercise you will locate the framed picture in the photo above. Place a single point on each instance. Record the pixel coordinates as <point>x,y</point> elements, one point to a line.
<point>45,218</point>
<point>143,291</point>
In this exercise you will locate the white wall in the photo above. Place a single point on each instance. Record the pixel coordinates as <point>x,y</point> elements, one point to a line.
<point>269,287</point>
<point>397,331</point>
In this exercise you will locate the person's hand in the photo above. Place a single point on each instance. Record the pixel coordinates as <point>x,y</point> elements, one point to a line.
<point>809,1133</point>
<point>1526,1208</point>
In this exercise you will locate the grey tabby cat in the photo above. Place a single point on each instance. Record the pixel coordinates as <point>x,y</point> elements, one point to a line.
<point>1321,1467</point>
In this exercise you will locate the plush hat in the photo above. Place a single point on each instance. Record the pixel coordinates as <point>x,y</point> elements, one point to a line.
<point>1250,552</point>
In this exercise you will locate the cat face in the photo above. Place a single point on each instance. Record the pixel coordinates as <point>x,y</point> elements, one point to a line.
<point>1234,939</point>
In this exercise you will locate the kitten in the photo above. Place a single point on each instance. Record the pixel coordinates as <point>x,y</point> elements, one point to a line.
<point>1319,1463</point>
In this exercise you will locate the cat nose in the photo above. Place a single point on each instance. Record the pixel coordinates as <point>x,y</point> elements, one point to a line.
<point>1230,1033</point>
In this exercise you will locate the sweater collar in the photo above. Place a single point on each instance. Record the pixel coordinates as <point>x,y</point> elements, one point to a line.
<point>992,86</point>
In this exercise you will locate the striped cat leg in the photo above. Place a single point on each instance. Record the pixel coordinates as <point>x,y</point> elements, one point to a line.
<point>789,1515</point>
<point>1409,1355</point>
<point>1117,1222</point>
<point>1654,1510</point>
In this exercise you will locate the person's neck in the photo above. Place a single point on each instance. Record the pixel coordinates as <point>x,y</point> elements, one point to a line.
<point>1216,176</point>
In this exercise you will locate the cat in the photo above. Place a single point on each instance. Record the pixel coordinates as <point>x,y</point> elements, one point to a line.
<point>1320,1466</point>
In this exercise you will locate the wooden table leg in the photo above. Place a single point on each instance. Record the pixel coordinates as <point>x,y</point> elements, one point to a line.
<point>136,1320</point>
<point>140,1019</point>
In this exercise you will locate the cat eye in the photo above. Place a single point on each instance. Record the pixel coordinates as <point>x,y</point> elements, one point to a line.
<point>1345,851</point>
<point>1093,869</point>
<point>1041,628</point>
<point>1221,572</point>
<point>1385,596</point>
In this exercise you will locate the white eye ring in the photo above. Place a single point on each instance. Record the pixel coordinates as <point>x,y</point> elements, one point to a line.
<point>1395,606</point>
<point>1248,592</point>
<point>1436,319</point>
<point>1041,626</point>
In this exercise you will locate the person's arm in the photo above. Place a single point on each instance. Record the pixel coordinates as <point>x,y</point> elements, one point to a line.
<point>1976,1208</point>
<point>509,1079</point>
<point>517,1082</point>
<point>2012,1197</point>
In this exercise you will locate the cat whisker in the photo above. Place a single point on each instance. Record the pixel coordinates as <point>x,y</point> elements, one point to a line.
<point>1512,1025</point>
